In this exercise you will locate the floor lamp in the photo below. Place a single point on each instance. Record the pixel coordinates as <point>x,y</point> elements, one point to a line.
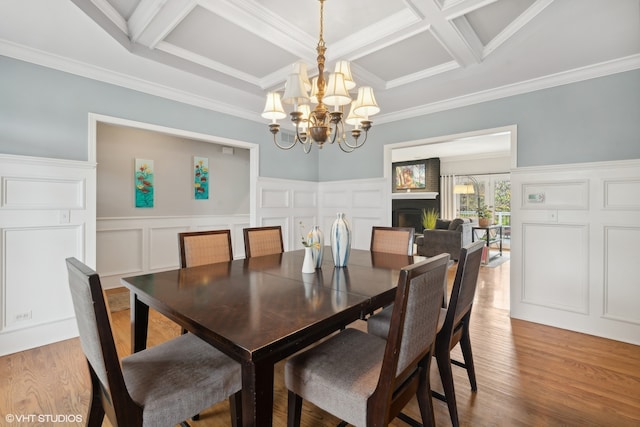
<point>472,188</point>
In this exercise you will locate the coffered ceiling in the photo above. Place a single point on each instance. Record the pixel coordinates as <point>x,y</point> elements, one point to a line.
<point>419,55</point>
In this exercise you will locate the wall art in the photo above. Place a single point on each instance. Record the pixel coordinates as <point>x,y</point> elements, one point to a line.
<point>201,178</point>
<point>144,186</point>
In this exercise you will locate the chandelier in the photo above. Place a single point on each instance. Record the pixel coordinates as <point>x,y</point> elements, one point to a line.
<point>321,125</point>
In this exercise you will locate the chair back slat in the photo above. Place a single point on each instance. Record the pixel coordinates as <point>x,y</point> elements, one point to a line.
<point>205,247</point>
<point>259,241</point>
<point>393,240</point>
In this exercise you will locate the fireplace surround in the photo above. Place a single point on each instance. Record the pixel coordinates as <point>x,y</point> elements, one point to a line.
<point>408,212</point>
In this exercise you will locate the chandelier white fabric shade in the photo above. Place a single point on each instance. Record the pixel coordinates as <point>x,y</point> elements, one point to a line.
<point>294,91</point>
<point>300,67</point>
<point>367,105</point>
<point>306,111</point>
<point>353,119</point>
<point>336,93</point>
<point>318,124</point>
<point>344,67</point>
<point>273,108</point>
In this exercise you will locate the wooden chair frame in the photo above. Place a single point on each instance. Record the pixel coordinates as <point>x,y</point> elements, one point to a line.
<point>401,230</point>
<point>183,237</point>
<point>113,398</point>
<point>247,238</point>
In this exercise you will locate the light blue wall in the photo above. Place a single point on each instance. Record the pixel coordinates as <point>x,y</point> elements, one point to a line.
<point>44,113</point>
<point>593,120</point>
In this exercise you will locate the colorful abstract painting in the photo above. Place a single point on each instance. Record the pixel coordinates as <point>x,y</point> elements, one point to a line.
<point>201,178</point>
<point>144,188</point>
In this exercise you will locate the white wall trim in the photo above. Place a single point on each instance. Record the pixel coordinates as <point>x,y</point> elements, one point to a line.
<point>574,252</point>
<point>57,62</point>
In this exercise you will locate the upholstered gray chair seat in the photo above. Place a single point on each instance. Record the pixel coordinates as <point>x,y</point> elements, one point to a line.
<point>201,373</point>
<point>342,388</point>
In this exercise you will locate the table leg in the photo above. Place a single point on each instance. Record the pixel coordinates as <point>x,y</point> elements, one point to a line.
<point>139,323</point>
<point>257,394</point>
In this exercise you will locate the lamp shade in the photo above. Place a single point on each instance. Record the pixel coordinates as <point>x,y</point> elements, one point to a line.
<point>306,111</point>
<point>300,67</point>
<point>294,92</point>
<point>313,97</point>
<point>463,189</point>
<point>353,118</point>
<point>344,67</point>
<point>336,93</point>
<point>273,108</point>
<point>367,105</point>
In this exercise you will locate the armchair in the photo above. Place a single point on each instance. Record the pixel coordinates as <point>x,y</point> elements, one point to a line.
<point>448,237</point>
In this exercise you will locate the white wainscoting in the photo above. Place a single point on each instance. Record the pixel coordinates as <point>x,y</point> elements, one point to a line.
<point>575,233</point>
<point>132,246</point>
<point>287,203</point>
<point>365,203</point>
<point>46,215</point>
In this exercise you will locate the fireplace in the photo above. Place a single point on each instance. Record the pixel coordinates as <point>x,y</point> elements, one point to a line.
<point>408,212</point>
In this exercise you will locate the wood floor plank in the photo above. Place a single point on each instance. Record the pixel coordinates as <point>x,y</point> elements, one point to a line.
<point>528,374</point>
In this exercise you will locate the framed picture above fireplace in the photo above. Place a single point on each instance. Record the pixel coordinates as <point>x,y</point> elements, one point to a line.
<point>409,176</point>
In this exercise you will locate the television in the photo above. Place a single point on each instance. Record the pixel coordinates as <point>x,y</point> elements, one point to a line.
<point>409,176</point>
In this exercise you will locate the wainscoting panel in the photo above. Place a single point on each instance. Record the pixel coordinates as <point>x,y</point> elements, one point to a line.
<point>301,205</point>
<point>574,247</point>
<point>556,195</point>
<point>131,246</point>
<point>305,199</point>
<point>555,286</point>
<point>161,242</point>
<point>31,297</point>
<point>365,203</point>
<point>42,193</point>
<point>47,214</point>
<point>622,194</point>
<point>120,251</point>
<point>274,198</point>
<point>336,198</point>
<point>622,286</point>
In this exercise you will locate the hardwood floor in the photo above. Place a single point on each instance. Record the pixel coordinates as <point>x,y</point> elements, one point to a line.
<point>528,374</point>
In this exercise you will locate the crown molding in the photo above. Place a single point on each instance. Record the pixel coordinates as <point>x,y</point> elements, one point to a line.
<point>104,75</point>
<point>35,56</point>
<point>602,69</point>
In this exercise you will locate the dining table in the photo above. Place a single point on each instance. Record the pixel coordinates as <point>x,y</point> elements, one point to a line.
<point>260,310</point>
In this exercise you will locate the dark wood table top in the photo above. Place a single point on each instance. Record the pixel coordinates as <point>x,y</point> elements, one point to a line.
<point>261,310</point>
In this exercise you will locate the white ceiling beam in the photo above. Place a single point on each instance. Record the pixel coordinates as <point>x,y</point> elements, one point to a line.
<point>466,52</point>
<point>456,8</point>
<point>255,18</point>
<point>516,25</point>
<point>112,14</point>
<point>390,30</point>
<point>154,19</point>
<point>190,56</point>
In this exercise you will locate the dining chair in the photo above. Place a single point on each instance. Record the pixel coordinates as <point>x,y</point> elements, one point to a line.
<point>160,386</point>
<point>259,241</point>
<point>453,327</point>
<point>205,247</point>
<point>392,240</point>
<point>364,379</point>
